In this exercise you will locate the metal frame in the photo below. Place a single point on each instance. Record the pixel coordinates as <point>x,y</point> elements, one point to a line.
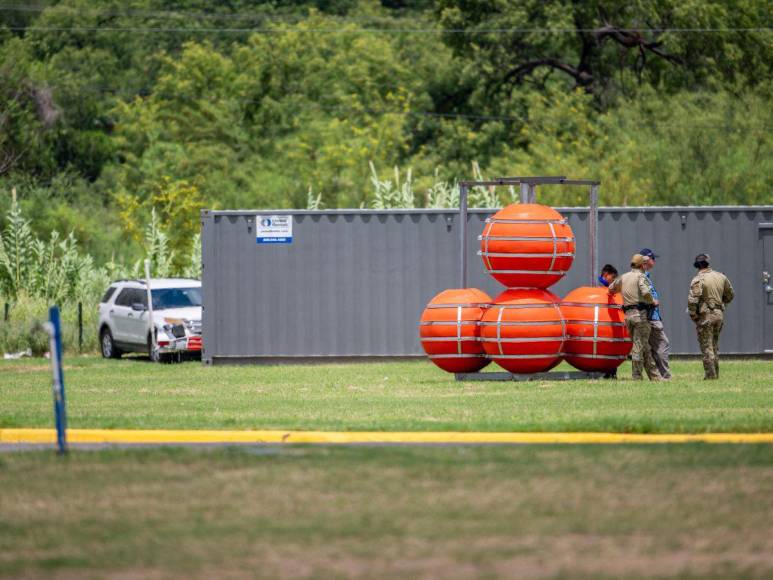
<point>528,194</point>
<point>528,191</point>
<point>547,376</point>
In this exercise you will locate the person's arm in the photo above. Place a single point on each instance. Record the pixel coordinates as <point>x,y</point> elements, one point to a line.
<point>645,290</point>
<point>615,286</point>
<point>694,297</point>
<point>655,301</point>
<point>728,293</point>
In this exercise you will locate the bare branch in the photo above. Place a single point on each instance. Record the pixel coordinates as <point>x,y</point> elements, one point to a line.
<point>581,77</point>
<point>633,39</point>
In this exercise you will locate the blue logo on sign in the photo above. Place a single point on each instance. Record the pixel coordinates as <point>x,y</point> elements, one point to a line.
<point>265,222</point>
<point>286,240</point>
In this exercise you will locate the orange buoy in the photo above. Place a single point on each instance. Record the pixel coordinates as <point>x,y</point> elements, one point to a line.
<point>596,337</point>
<point>450,330</point>
<point>523,331</point>
<point>527,246</point>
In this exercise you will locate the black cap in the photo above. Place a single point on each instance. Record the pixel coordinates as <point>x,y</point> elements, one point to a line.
<point>702,258</point>
<point>648,253</point>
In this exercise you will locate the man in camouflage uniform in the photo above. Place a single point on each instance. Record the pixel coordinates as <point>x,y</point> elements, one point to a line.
<point>637,298</point>
<point>710,291</point>
<point>661,347</point>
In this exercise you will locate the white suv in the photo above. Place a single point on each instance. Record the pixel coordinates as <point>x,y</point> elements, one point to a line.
<point>123,318</point>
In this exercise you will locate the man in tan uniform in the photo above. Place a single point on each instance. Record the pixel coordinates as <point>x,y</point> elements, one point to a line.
<point>709,292</point>
<point>637,298</point>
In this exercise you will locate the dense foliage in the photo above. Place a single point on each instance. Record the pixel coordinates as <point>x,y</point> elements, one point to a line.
<point>110,110</point>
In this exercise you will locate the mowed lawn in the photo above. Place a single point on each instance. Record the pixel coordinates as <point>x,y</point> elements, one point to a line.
<point>443,512</point>
<point>134,394</point>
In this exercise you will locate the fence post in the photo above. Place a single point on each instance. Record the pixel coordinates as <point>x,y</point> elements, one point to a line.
<point>80,326</point>
<point>6,312</point>
<point>54,328</point>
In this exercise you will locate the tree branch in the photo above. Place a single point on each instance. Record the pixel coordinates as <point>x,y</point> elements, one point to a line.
<point>633,39</point>
<point>581,77</point>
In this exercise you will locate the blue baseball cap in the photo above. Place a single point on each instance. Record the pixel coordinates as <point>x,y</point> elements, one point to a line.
<point>649,253</point>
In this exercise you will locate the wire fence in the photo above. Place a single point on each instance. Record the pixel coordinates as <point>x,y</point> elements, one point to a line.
<point>21,333</point>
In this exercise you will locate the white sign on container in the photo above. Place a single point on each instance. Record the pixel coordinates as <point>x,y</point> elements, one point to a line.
<point>274,229</point>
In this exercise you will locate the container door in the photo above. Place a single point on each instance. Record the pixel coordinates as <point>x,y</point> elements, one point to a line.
<point>766,233</point>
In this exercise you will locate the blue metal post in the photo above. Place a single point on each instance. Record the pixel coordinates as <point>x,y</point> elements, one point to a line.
<point>60,411</point>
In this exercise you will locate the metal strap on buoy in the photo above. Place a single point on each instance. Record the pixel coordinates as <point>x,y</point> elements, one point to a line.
<point>525,238</point>
<point>449,323</point>
<point>533,272</point>
<point>596,338</point>
<point>459,339</point>
<point>499,330</point>
<point>553,255</point>
<point>524,339</point>
<point>531,356</point>
<point>560,221</point>
<point>588,322</point>
<point>592,305</point>
<point>468,305</point>
<point>522,323</point>
<point>598,356</point>
<point>456,355</point>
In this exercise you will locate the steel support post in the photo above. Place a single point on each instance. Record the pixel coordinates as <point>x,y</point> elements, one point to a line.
<point>532,193</point>
<point>463,236</point>
<point>593,233</point>
<point>525,192</point>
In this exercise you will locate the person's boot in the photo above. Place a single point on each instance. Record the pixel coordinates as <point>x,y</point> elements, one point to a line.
<point>709,373</point>
<point>654,375</point>
<point>636,370</point>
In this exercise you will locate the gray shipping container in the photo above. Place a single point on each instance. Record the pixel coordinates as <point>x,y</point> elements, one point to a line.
<point>353,283</point>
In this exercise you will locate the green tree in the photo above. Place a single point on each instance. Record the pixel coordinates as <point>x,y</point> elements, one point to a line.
<point>610,47</point>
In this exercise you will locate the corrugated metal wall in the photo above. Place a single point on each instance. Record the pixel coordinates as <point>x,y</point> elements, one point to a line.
<point>354,283</point>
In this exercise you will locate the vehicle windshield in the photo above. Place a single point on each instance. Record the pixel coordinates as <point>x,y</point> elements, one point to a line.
<point>164,298</point>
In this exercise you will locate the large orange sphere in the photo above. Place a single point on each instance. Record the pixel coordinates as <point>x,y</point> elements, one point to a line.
<point>527,246</point>
<point>596,337</point>
<point>450,330</point>
<point>523,331</point>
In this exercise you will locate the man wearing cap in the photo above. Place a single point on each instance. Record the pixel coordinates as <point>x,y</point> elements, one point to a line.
<point>659,343</point>
<point>637,298</point>
<point>710,291</point>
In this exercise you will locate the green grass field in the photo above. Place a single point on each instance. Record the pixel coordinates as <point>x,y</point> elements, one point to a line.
<point>520,511</point>
<point>535,511</point>
<point>388,396</point>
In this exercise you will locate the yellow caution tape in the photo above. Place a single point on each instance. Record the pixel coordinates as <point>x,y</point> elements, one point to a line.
<point>163,436</point>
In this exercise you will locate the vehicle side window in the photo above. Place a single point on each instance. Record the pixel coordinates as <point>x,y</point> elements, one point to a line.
<point>108,294</point>
<point>138,295</point>
<point>124,298</point>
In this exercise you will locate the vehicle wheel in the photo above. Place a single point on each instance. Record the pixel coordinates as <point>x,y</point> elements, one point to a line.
<point>154,355</point>
<point>107,345</point>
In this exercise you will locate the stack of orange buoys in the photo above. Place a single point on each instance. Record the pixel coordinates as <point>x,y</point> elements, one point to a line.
<point>597,339</point>
<point>450,330</point>
<point>527,246</point>
<point>523,330</point>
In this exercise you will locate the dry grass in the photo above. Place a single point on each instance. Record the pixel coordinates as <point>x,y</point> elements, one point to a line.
<point>527,512</point>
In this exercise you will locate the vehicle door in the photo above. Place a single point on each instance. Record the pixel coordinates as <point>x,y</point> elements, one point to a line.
<point>137,320</point>
<point>766,233</point>
<point>119,314</point>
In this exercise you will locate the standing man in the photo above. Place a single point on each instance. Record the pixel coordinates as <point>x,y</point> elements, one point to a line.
<point>659,343</point>
<point>637,298</point>
<point>710,291</point>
